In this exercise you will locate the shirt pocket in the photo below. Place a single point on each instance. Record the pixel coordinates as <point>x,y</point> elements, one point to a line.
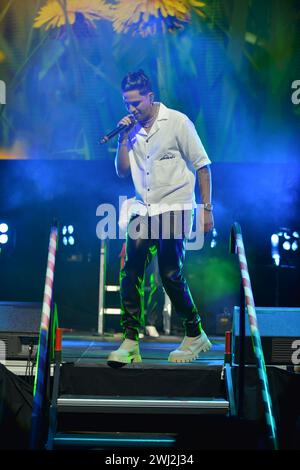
<point>168,172</point>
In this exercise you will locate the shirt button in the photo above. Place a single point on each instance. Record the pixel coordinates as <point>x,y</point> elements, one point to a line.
<point>148,156</point>
<point>149,204</point>
<point>148,173</point>
<point>148,189</point>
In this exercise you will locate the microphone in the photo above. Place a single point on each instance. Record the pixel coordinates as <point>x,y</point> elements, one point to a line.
<point>116,131</point>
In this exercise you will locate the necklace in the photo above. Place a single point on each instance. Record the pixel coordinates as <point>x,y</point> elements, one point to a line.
<point>150,121</point>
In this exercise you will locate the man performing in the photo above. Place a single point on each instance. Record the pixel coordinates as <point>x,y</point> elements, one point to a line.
<point>161,149</point>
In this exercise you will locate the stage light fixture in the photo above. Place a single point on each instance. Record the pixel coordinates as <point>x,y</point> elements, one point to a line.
<point>3,233</point>
<point>284,245</point>
<point>275,248</point>
<point>3,227</point>
<point>68,235</point>
<point>6,244</point>
<point>3,238</point>
<point>213,242</point>
<point>7,237</point>
<point>274,239</point>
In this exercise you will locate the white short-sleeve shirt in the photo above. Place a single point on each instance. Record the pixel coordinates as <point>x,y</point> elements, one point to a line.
<point>163,163</point>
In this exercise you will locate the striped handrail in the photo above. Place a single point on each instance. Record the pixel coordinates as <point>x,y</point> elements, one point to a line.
<point>237,247</point>
<point>43,347</point>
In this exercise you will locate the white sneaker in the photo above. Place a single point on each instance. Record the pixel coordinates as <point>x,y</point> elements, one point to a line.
<point>128,352</point>
<point>152,331</point>
<point>141,335</point>
<point>190,348</point>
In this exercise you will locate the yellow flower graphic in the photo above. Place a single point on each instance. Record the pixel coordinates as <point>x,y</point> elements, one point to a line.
<point>147,17</point>
<point>52,14</point>
<point>2,56</point>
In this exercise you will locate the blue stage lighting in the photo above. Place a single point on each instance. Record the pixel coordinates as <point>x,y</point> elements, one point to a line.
<point>275,248</point>
<point>213,242</point>
<point>284,244</point>
<point>7,238</point>
<point>3,227</point>
<point>274,239</point>
<point>68,235</point>
<point>3,238</point>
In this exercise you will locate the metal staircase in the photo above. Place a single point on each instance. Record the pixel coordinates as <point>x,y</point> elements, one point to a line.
<point>85,418</point>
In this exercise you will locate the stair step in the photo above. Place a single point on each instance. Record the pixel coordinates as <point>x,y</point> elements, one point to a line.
<point>113,440</point>
<point>145,380</point>
<point>177,405</point>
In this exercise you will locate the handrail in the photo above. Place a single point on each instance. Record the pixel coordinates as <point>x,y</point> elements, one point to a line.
<point>55,391</point>
<point>43,357</point>
<point>228,374</point>
<point>237,247</point>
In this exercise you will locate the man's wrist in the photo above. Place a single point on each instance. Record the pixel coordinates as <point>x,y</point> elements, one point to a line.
<point>122,141</point>
<point>123,137</point>
<point>208,206</point>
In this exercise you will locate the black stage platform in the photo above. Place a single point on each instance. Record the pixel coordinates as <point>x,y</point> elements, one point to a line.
<point>82,347</point>
<point>183,405</point>
<point>156,403</point>
<point>85,373</point>
<point>155,396</point>
<point>152,404</point>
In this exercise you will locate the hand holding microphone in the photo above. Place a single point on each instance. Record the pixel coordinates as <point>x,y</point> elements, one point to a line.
<point>124,126</point>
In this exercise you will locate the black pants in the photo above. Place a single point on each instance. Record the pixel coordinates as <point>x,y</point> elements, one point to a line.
<point>170,253</point>
<point>155,305</point>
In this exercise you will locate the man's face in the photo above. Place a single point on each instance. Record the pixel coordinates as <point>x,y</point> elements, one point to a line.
<point>137,104</point>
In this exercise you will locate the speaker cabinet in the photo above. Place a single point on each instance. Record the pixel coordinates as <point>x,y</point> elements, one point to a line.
<point>279,329</point>
<point>19,326</point>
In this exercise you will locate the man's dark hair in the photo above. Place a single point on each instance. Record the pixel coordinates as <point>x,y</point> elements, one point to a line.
<point>137,81</point>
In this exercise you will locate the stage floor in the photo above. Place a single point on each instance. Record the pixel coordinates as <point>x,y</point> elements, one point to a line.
<point>86,348</point>
<point>81,348</point>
